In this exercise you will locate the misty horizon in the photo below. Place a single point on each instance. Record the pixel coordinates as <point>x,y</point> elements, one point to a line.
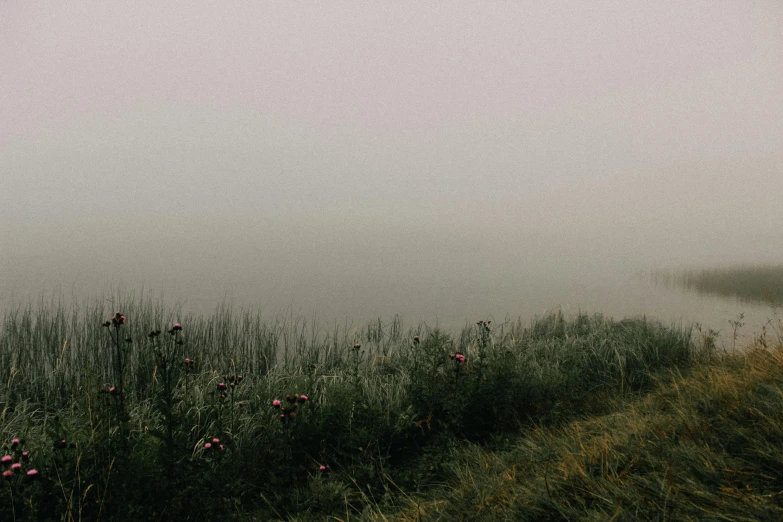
<point>377,158</point>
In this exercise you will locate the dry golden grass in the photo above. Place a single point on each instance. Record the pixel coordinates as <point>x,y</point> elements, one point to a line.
<point>703,446</point>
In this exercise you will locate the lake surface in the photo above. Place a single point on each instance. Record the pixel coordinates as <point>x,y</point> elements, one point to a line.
<point>347,272</point>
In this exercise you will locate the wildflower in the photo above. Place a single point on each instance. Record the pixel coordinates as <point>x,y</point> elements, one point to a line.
<point>322,468</point>
<point>303,398</point>
<point>276,403</point>
<point>357,346</point>
<point>16,465</point>
<point>239,378</point>
<point>207,445</point>
<point>221,386</point>
<point>282,418</point>
<point>8,473</point>
<point>416,339</point>
<point>289,399</point>
<point>216,441</point>
<point>25,455</point>
<point>188,361</point>
<point>113,390</point>
<point>177,327</point>
<point>6,459</point>
<point>14,442</point>
<point>241,404</point>
<point>32,473</point>
<point>221,448</point>
<point>63,443</point>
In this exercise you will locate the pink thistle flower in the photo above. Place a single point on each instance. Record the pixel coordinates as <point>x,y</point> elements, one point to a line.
<point>32,473</point>
<point>239,378</point>
<point>276,403</point>
<point>207,445</point>
<point>322,467</point>
<point>25,454</point>
<point>177,327</point>
<point>416,339</point>
<point>8,473</point>
<point>16,465</point>
<point>282,418</point>
<point>187,361</point>
<point>221,447</point>
<point>221,386</point>
<point>241,404</point>
<point>216,441</point>
<point>303,398</point>
<point>357,346</point>
<point>14,442</point>
<point>6,459</point>
<point>113,389</point>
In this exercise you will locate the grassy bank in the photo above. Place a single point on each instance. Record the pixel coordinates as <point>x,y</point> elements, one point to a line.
<point>706,444</point>
<point>149,415</point>
<point>756,283</point>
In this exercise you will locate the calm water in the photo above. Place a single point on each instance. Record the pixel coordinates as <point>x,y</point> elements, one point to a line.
<point>345,271</point>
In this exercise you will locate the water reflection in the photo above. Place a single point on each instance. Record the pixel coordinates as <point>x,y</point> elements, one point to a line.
<point>352,274</point>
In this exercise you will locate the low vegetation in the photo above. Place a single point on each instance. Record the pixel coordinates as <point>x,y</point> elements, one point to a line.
<point>754,283</point>
<point>144,415</point>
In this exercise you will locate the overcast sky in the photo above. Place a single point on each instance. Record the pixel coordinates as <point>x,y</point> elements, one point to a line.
<point>646,130</point>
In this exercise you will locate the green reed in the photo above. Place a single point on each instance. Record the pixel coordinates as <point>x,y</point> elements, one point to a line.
<point>372,413</point>
<point>753,283</point>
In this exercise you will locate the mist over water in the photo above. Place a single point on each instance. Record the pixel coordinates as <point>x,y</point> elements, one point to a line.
<point>360,161</point>
<point>354,275</point>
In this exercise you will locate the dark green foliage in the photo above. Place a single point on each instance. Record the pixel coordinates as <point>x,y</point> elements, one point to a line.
<point>382,412</point>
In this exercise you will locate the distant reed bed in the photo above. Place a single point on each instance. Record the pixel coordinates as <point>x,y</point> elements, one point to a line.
<point>103,406</point>
<point>754,283</point>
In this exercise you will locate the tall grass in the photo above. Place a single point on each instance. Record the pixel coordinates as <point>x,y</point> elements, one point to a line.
<point>757,283</point>
<point>382,409</point>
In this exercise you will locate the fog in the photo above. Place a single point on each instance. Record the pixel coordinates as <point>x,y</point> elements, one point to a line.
<point>443,161</point>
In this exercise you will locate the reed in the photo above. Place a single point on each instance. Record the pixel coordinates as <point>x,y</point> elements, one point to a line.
<point>387,412</point>
<point>752,283</point>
